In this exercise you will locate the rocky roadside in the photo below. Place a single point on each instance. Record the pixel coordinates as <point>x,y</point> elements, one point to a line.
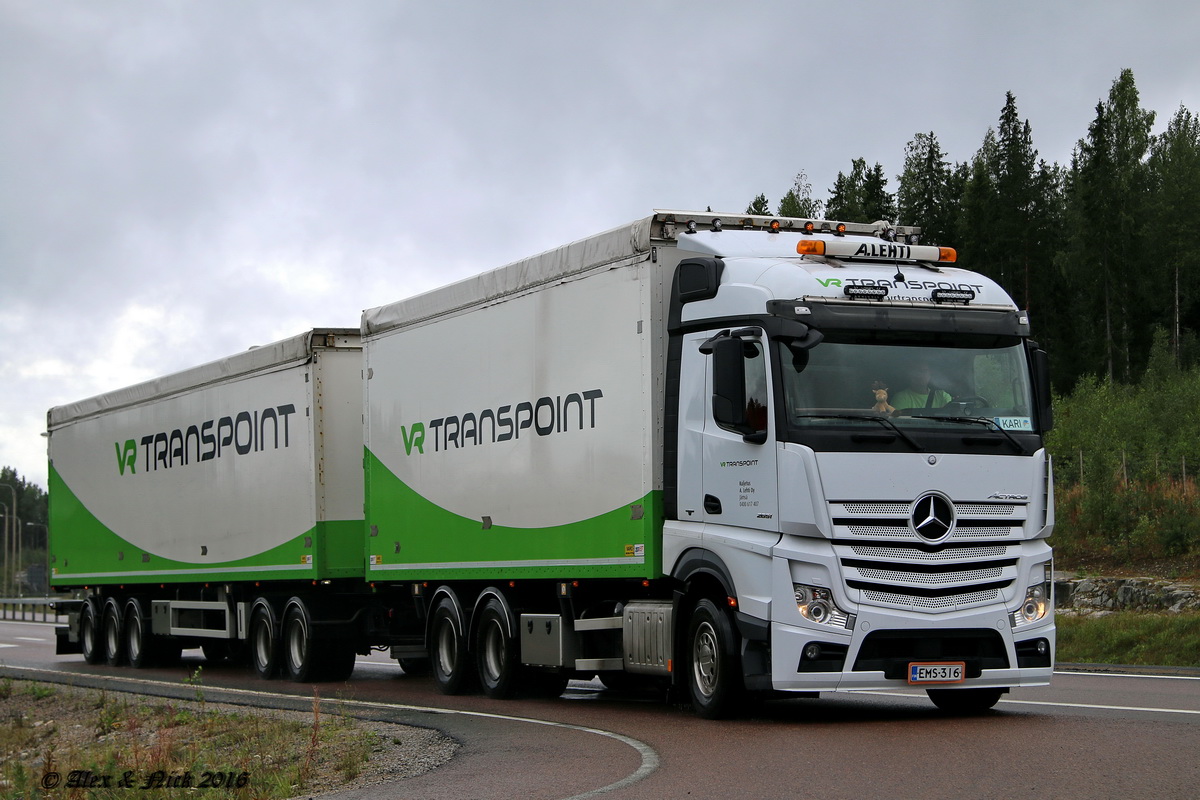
<point>1094,596</point>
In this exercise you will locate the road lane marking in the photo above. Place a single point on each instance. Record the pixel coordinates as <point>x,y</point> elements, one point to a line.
<point>1094,706</point>
<point>1131,675</point>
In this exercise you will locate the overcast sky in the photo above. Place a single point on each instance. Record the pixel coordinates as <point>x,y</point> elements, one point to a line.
<point>182,180</point>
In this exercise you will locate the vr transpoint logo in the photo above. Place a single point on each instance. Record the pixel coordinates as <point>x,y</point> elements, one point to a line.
<point>247,432</point>
<point>546,415</point>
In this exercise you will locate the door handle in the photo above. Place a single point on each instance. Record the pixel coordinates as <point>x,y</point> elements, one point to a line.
<point>711,505</point>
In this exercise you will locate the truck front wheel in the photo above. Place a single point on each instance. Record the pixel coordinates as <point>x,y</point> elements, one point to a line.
<point>714,675</point>
<point>448,649</point>
<point>496,652</point>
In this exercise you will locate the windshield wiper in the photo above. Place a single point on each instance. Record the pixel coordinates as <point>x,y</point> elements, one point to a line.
<point>989,423</point>
<point>887,423</point>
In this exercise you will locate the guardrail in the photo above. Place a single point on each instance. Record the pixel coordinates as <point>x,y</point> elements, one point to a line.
<point>31,609</point>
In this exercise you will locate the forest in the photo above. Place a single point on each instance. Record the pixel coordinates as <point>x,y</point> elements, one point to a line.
<point>1099,252</point>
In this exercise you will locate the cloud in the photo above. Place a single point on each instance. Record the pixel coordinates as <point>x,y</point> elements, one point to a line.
<point>184,180</point>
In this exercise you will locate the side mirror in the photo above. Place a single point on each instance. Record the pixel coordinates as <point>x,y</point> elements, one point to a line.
<point>729,385</point>
<point>1041,385</point>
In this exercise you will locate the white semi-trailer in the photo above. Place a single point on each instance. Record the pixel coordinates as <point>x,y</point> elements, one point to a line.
<point>726,454</point>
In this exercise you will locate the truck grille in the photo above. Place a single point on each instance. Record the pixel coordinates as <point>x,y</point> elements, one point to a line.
<point>886,562</point>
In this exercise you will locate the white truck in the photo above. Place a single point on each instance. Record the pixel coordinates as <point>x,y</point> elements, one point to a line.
<point>728,454</point>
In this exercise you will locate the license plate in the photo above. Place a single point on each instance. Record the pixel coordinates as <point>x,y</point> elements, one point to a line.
<point>937,672</point>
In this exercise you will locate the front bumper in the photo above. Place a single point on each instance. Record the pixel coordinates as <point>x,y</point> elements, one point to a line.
<point>876,653</point>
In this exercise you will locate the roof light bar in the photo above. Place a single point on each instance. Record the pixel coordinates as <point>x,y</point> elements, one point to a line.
<point>947,254</point>
<point>811,247</point>
<point>865,292</point>
<point>960,296</point>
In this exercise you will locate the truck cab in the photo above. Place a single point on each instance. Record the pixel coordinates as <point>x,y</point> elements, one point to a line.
<point>859,462</point>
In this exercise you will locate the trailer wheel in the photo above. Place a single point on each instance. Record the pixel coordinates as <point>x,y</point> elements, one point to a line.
<point>114,644</point>
<point>713,674</point>
<point>138,640</point>
<point>90,627</point>
<point>264,646</point>
<point>496,652</point>
<point>964,701</point>
<point>448,649</point>
<point>299,655</point>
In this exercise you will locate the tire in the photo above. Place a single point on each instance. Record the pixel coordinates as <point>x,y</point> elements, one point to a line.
<point>114,641</point>
<point>964,702</point>
<point>452,669</point>
<point>90,628</point>
<point>497,655</point>
<point>714,675</point>
<point>139,642</point>
<point>264,642</point>
<point>299,654</point>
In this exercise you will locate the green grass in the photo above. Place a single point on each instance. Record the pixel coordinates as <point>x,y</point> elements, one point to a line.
<point>260,754</point>
<point>1162,640</point>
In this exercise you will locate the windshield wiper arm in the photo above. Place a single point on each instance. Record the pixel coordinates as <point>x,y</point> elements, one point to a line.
<point>988,423</point>
<point>887,423</point>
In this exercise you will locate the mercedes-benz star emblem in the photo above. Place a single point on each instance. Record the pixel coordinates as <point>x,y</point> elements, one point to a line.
<point>933,517</point>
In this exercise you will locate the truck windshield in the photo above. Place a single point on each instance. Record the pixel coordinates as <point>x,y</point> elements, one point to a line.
<point>923,386</point>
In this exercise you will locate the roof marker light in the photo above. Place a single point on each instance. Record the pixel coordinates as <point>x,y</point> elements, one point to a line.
<point>962,296</point>
<point>808,228</point>
<point>716,225</point>
<point>866,292</point>
<point>887,234</point>
<point>840,230</point>
<point>773,227</point>
<point>914,238</point>
<point>691,226</point>
<point>810,247</point>
<point>747,224</point>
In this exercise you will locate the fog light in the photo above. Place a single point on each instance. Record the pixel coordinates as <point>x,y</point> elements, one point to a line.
<point>1043,647</point>
<point>812,651</point>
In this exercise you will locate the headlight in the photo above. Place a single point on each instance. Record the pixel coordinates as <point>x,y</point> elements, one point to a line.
<point>1038,600</point>
<point>816,605</point>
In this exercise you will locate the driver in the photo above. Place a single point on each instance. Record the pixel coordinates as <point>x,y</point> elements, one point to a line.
<point>917,391</point>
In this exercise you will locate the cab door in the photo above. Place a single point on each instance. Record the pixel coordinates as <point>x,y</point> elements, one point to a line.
<point>734,437</point>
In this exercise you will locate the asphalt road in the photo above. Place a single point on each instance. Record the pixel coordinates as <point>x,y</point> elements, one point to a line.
<point>1087,735</point>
